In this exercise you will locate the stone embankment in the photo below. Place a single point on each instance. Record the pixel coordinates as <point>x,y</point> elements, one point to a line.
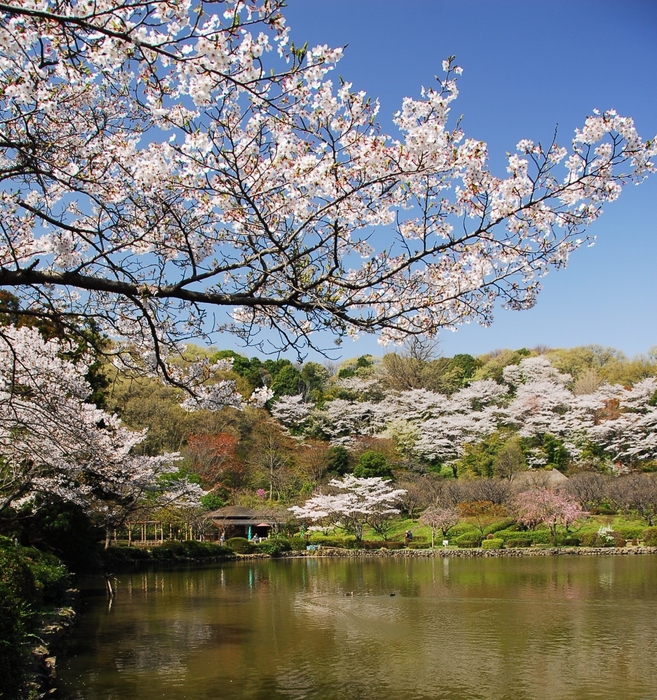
<point>51,639</point>
<point>518,552</point>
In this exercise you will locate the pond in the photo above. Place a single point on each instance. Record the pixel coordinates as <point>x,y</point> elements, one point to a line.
<point>548,628</point>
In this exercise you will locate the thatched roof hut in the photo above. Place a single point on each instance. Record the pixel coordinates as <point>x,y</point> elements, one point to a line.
<point>538,478</point>
<point>237,521</point>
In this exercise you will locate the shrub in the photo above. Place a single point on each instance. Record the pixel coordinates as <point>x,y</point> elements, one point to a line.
<point>345,542</point>
<point>463,529</point>
<point>516,542</point>
<point>539,536</point>
<point>593,539</point>
<point>503,525</point>
<point>571,541</point>
<point>469,539</point>
<point>631,532</point>
<point>419,545</point>
<point>17,576</point>
<point>492,544</point>
<point>31,575</point>
<point>274,546</point>
<point>240,545</point>
<point>649,536</point>
<point>297,544</point>
<point>511,533</point>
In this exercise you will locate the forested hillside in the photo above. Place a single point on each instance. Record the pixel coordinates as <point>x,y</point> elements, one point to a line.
<point>409,415</point>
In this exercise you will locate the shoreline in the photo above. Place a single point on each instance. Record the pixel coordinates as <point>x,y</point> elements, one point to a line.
<point>329,552</point>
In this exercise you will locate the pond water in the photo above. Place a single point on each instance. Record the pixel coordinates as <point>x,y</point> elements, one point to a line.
<point>540,628</point>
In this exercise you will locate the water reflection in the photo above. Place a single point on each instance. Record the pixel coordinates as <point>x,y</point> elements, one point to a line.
<point>550,628</point>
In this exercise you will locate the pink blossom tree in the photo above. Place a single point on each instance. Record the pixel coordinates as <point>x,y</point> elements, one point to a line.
<point>439,519</point>
<point>547,507</point>
<point>170,173</point>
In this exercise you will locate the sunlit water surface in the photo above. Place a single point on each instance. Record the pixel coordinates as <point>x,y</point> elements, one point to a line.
<point>545,628</point>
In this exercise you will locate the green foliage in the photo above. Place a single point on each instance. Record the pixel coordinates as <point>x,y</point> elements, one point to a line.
<point>314,377</point>
<point>557,455</point>
<point>593,539</point>
<point>478,459</point>
<point>492,365</point>
<point>213,501</point>
<point>469,539</point>
<point>297,544</point>
<point>240,545</point>
<point>338,460</point>
<point>463,529</point>
<point>28,578</point>
<point>274,546</point>
<point>65,530</point>
<point>287,382</point>
<point>346,541</point>
<point>649,536</point>
<point>609,364</point>
<point>33,576</point>
<point>517,542</point>
<point>372,464</point>
<point>116,558</point>
<point>15,619</point>
<point>571,541</point>
<point>510,459</point>
<point>188,549</point>
<point>492,544</point>
<point>540,536</point>
<point>502,527</point>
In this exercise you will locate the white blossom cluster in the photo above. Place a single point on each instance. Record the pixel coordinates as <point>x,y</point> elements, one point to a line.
<point>535,400</point>
<point>162,162</point>
<point>54,443</point>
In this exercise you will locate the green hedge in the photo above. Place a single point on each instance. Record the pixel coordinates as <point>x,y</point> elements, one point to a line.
<point>503,525</point>
<point>274,546</point>
<point>570,541</point>
<point>462,529</point>
<point>469,539</point>
<point>517,542</point>
<point>492,544</point>
<point>240,545</point>
<point>172,550</point>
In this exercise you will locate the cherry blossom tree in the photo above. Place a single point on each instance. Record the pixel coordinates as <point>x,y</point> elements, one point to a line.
<point>55,445</point>
<point>439,519</point>
<point>170,173</point>
<point>631,435</point>
<point>548,507</point>
<point>292,411</point>
<point>354,503</point>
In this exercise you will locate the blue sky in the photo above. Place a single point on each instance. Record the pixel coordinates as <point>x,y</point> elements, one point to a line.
<point>529,65</point>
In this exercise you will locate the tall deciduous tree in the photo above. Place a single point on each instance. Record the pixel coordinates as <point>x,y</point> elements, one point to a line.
<point>161,163</point>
